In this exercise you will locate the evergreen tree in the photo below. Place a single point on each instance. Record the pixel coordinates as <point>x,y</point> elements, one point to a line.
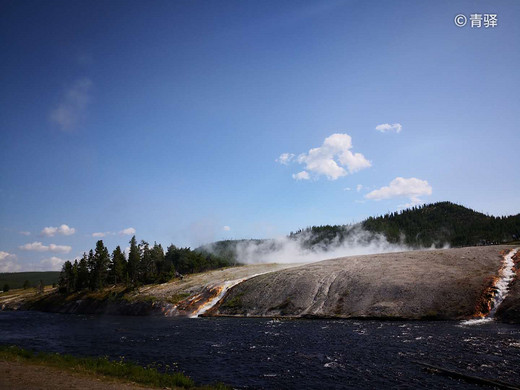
<point>133,260</point>
<point>66,278</point>
<point>147,272</point>
<point>101,262</point>
<point>91,266</point>
<point>118,266</point>
<point>74,281</point>
<point>83,274</point>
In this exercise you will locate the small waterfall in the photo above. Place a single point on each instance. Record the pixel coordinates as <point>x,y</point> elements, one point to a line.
<point>223,290</point>
<point>506,276</point>
<point>213,301</point>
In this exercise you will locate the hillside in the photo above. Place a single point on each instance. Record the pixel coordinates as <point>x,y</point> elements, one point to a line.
<point>438,224</point>
<point>17,279</point>
<point>434,284</point>
<point>445,223</point>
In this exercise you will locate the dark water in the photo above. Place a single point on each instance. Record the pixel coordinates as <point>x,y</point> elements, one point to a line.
<point>263,353</point>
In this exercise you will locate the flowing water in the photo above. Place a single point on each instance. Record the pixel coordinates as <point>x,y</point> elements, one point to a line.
<point>249,353</point>
<point>505,277</point>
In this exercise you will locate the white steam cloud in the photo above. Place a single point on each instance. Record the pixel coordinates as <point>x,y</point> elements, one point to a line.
<point>354,241</point>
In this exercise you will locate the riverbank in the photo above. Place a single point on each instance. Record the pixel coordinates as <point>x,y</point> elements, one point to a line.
<point>23,369</point>
<point>179,297</point>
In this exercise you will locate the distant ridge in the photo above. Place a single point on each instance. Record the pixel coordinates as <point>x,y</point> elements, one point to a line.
<point>436,224</point>
<point>445,223</point>
<point>17,279</point>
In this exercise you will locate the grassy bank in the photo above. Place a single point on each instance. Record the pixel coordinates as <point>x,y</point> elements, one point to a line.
<point>122,370</point>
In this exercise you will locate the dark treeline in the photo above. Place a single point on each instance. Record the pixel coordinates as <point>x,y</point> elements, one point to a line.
<point>444,223</point>
<point>437,224</point>
<point>145,264</point>
<point>326,236</point>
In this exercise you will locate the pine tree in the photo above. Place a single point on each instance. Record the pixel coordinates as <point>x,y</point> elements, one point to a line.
<point>101,261</point>
<point>83,274</point>
<point>118,266</point>
<point>133,260</point>
<point>66,278</point>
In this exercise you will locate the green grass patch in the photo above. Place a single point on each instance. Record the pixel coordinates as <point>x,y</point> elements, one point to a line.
<point>233,303</point>
<point>123,370</point>
<point>174,299</point>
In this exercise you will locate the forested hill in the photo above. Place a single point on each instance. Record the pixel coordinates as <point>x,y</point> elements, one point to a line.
<point>444,223</point>
<point>436,224</point>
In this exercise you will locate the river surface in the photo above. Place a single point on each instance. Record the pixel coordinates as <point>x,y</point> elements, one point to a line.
<point>289,354</point>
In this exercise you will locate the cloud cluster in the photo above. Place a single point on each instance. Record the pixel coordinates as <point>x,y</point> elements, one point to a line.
<point>64,230</point>
<point>39,247</point>
<point>128,231</point>
<point>285,158</point>
<point>72,108</point>
<point>387,127</point>
<point>52,264</point>
<point>410,188</point>
<point>8,262</point>
<point>333,159</point>
<point>125,232</point>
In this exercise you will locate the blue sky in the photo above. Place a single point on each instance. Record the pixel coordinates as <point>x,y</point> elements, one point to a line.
<point>192,121</point>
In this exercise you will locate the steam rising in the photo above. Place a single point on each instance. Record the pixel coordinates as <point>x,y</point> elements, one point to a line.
<point>306,246</point>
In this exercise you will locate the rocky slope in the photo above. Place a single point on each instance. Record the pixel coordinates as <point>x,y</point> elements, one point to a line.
<point>440,284</point>
<point>180,297</point>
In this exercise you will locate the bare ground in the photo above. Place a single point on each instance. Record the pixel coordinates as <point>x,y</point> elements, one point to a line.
<point>194,284</point>
<point>23,376</point>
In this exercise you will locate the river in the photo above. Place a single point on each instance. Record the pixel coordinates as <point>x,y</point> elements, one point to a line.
<point>251,353</point>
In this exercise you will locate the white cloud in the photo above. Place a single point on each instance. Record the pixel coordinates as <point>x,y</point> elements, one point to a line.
<point>359,187</point>
<point>128,231</point>
<point>383,128</point>
<point>39,247</point>
<point>227,228</point>
<point>51,231</point>
<point>72,108</point>
<point>52,264</point>
<point>25,233</point>
<point>99,234</point>
<point>303,175</point>
<point>8,262</point>
<point>410,188</point>
<point>285,158</point>
<point>347,189</point>
<point>333,159</point>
